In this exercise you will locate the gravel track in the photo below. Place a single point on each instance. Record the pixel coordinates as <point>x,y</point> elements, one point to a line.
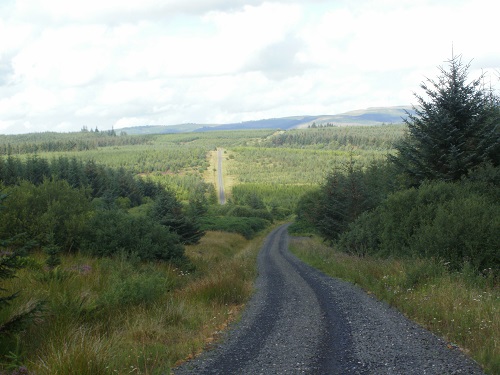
<point>301,321</point>
<point>222,194</point>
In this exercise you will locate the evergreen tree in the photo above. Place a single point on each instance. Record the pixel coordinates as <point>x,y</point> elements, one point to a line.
<point>52,207</point>
<point>344,198</point>
<point>13,170</point>
<point>454,131</point>
<point>168,211</point>
<point>36,169</point>
<point>12,252</point>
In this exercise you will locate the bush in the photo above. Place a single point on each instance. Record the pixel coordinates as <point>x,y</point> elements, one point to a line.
<point>113,231</point>
<point>246,226</point>
<point>453,222</point>
<point>52,213</point>
<point>362,236</point>
<point>344,196</point>
<point>462,230</point>
<point>169,212</point>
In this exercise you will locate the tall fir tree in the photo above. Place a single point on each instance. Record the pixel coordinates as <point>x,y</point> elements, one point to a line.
<point>453,131</point>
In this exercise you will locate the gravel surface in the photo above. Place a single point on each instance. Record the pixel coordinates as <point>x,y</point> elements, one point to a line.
<point>301,321</point>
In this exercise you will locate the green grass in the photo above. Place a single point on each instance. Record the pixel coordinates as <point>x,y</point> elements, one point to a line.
<point>461,307</point>
<point>119,316</point>
<point>283,171</point>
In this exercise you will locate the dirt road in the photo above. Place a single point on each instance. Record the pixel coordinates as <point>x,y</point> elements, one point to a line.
<point>301,321</point>
<point>222,195</point>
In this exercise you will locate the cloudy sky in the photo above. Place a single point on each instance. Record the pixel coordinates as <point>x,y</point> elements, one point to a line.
<point>115,63</point>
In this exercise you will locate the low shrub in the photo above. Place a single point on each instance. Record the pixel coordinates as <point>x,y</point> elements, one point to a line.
<point>241,211</point>
<point>246,226</point>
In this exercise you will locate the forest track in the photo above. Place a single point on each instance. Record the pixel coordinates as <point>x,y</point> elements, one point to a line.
<point>222,195</point>
<point>301,321</point>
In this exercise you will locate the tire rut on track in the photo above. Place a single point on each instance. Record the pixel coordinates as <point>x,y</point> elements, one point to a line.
<point>301,321</point>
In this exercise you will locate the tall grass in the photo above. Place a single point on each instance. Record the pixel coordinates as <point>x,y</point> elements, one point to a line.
<point>121,316</point>
<point>459,306</point>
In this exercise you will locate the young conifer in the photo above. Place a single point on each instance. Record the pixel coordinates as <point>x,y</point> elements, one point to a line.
<point>453,131</point>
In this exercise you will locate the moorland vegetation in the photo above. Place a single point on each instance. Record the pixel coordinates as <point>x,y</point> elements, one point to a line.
<point>115,256</point>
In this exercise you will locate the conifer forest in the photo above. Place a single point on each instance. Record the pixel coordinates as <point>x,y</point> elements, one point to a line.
<point>117,257</point>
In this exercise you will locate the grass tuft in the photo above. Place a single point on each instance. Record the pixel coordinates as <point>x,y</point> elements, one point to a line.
<point>121,316</point>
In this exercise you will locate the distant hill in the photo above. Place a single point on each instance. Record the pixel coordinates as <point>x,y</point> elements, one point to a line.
<point>361,117</point>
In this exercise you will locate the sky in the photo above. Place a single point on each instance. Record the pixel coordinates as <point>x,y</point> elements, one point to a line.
<point>117,63</point>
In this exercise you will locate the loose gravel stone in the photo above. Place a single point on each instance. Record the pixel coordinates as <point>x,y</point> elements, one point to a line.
<point>301,321</point>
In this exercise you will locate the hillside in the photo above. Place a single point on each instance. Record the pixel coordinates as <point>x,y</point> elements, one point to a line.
<point>369,116</point>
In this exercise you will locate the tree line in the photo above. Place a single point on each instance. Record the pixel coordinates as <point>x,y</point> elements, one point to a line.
<point>61,196</point>
<point>57,142</point>
<point>339,137</point>
<point>437,196</point>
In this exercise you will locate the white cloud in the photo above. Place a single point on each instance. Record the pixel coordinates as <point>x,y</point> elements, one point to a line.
<point>122,62</point>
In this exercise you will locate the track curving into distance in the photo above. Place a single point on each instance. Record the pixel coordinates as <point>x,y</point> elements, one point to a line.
<point>301,321</point>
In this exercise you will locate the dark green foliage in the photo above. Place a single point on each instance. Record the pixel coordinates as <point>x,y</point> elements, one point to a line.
<point>71,170</point>
<point>455,131</point>
<point>36,169</point>
<point>53,259</point>
<point>200,199</point>
<point>362,236</point>
<point>454,140</point>
<point>488,175</point>
<point>10,262</point>
<point>52,211</point>
<point>246,226</point>
<point>169,212</point>
<point>344,196</point>
<point>455,222</point>
<point>149,188</point>
<point>247,197</point>
<point>307,211</point>
<point>57,212</point>
<point>230,217</point>
<point>110,232</point>
<point>123,184</point>
<point>104,182</point>
<point>12,258</point>
<point>57,142</point>
<point>342,201</point>
<point>11,170</point>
